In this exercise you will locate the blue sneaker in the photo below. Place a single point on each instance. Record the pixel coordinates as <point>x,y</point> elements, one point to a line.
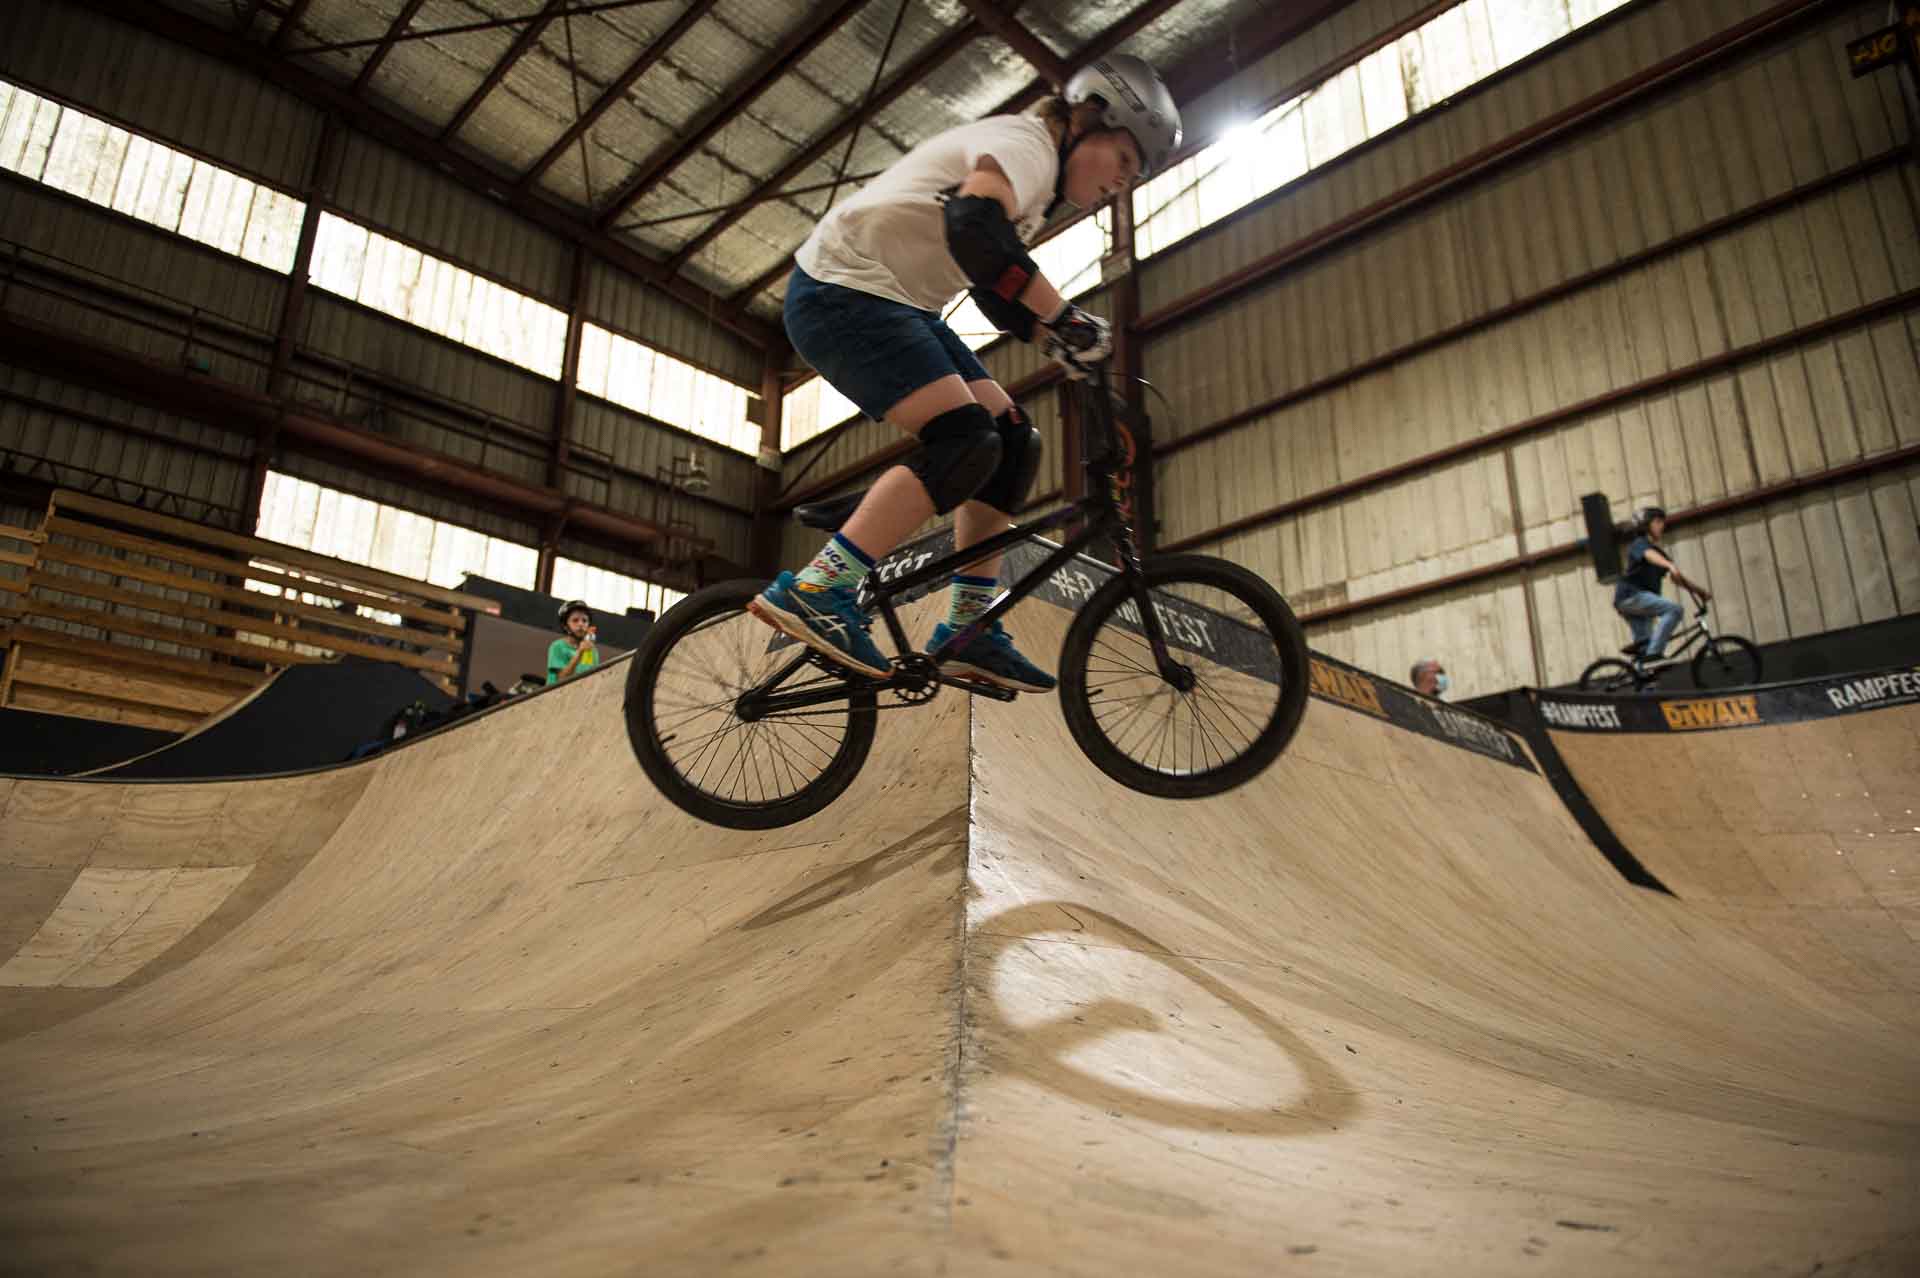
<point>828,621</point>
<point>991,657</point>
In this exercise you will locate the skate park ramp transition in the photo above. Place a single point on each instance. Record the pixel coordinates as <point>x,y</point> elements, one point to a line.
<point>304,717</point>
<point>1788,813</point>
<point>488,1005</point>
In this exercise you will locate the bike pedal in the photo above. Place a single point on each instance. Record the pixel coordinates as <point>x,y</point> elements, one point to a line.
<point>978,686</point>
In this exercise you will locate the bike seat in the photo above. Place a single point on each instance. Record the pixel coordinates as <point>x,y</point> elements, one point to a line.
<point>829,513</point>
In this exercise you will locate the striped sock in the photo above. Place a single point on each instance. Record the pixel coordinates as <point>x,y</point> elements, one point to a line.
<point>971,597</point>
<point>839,563</point>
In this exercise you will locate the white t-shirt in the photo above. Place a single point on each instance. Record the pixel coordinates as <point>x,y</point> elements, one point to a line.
<point>891,239</point>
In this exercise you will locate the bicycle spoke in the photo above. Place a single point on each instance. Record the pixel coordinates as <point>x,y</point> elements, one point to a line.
<point>1209,732</point>
<point>1115,731</point>
<point>1240,678</point>
<point>1229,709</point>
<point>695,694</point>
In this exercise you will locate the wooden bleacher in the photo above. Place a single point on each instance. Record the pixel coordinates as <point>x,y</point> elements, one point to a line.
<point>111,612</point>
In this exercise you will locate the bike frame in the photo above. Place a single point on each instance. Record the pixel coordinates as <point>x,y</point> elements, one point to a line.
<point>1107,510</point>
<point>1686,638</point>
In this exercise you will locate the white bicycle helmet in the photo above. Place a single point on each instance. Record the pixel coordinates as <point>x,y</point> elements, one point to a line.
<point>1136,99</point>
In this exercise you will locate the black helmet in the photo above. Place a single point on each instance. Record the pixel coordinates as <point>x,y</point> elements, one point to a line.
<point>572,606</point>
<point>1644,517</point>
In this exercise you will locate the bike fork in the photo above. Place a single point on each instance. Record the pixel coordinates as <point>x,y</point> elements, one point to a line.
<point>1175,673</point>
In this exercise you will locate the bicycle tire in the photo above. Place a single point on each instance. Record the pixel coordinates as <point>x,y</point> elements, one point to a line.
<point>1609,675</point>
<point>1727,661</point>
<point>1289,671</point>
<point>719,612</point>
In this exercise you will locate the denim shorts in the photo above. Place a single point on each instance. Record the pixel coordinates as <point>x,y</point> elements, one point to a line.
<point>873,350</point>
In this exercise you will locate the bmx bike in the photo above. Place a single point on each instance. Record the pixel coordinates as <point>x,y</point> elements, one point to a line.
<point>1181,676</point>
<point>1724,661</point>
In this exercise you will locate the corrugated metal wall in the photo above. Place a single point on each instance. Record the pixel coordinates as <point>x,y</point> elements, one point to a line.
<point>178,96</point>
<point>379,187</point>
<point>602,429</point>
<point>1753,130</point>
<point>171,267</point>
<point>413,357</point>
<point>234,119</point>
<point>398,493</point>
<point>65,435</point>
<point>1241,96</point>
<point>629,305</point>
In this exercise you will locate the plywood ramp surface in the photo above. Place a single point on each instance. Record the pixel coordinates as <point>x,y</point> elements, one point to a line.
<point>499,1010</point>
<point>1804,836</point>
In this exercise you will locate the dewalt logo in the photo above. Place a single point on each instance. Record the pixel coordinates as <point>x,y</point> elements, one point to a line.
<point>1711,712</point>
<point>1347,688</point>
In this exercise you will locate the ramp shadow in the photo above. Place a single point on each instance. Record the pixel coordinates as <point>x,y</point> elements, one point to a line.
<point>1328,1101</point>
<point>946,833</point>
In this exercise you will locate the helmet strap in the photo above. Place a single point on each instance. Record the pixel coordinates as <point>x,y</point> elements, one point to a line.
<point>1067,144</point>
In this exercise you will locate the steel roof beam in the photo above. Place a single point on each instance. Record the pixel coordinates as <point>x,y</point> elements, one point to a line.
<point>1193,76</point>
<point>788,54</point>
<point>1022,41</point>
<point>1099,46</point>
<point>296,11</point>
<point>321,91</point>
<point>464,28</point>
<point>243,22</point>
<point>909,77</point>
<point>536,26</point>
<point>617,89</point>
<point>1250,42</point>
<point>398,28</point>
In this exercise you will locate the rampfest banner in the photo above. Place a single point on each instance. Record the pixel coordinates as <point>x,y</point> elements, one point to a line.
<point>1220,639</point>
<point>1796,702</point>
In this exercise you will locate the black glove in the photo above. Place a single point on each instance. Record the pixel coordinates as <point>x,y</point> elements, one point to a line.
<point>1076,341</point>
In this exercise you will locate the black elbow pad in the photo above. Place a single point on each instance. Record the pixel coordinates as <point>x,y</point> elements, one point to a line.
<point>1008,317</point>
<point>987,248</point>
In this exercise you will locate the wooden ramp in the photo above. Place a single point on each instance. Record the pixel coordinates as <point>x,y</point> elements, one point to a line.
<point>487,1006</point>
<point>1800,832</point>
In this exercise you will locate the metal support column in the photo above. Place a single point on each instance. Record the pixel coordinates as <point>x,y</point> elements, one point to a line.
<point>567,394</point>
<point>293,313</point>
<point>764,541</point>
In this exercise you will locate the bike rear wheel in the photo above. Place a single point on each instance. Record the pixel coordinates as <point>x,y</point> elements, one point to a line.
<point>683,716</point>
<point>1728,661</point>
<point>1237,649</point>
<point>1609,674</point>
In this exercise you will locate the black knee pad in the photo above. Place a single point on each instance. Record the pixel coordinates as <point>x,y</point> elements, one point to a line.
<point>1020,451</point>
<point>958,452</point>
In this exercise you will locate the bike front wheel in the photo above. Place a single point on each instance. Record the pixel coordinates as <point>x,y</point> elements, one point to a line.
<point>1728,661</point>
<point>1609,674</point>
<point>1226,703</point>
<point>684,711</point>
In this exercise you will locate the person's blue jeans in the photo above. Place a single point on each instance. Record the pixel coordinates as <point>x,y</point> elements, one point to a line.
<point>1651,617</point>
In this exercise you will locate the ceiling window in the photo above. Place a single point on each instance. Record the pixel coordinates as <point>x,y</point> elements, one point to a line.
<point>812,408</point>
<point>399,280</point>
<point>326,521</point>
<point>608,591</point>
<point>85,157</point>
<point>1447,54</point>
<point>670,390</point>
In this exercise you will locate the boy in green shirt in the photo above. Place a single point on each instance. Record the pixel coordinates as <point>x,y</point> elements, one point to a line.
<point>575,650</point>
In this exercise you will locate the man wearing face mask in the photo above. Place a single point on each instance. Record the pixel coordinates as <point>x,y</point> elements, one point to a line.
<point>1430,678</point>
